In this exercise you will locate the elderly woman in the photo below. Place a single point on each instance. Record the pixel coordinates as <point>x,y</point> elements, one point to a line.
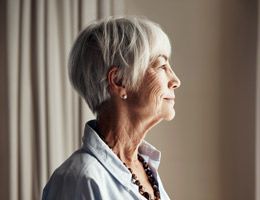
<point>120,66</point>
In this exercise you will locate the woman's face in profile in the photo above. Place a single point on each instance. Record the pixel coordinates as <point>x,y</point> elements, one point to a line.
<point>156,97</point>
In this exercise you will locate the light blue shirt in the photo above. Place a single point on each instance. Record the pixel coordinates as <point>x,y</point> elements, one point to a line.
<point>94,172</point>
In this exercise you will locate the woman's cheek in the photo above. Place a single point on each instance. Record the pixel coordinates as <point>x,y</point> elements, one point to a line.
<point>154,90</point>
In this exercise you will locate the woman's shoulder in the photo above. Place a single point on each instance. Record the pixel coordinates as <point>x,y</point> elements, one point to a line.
<point>81,168</point>
<point>81,164</point>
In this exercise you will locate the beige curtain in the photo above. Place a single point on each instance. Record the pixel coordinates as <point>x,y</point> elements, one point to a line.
<point>42,118</point>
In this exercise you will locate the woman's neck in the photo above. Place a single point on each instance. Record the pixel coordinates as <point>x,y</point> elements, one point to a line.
<point>123,133</point>
<point>121,137</point>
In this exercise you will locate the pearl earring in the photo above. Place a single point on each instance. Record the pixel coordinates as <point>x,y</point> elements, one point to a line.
<point>124,96</point>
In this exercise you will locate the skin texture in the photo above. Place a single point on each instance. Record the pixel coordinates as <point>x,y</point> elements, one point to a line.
<point>124,123</point>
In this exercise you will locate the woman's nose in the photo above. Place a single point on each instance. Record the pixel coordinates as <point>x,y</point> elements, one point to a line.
<point>174,81</point>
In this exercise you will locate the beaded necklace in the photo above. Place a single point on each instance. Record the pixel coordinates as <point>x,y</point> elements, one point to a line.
<point>151,180</point>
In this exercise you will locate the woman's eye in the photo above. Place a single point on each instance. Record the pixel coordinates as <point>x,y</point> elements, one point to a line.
<point>163,67</point>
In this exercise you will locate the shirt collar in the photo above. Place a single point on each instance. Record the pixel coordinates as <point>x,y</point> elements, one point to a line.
<point>93,143</point>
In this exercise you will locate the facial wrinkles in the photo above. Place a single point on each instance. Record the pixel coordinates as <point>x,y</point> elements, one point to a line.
<point>154,91</point>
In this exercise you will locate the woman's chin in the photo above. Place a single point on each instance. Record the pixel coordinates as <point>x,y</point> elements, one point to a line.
<point>170,116</point>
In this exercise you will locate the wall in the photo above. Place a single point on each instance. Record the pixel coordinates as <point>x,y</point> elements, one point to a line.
<point>257,192</point>
<point>209,148</point>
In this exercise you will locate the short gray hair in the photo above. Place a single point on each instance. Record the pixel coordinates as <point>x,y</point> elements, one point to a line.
<point>129,43</point>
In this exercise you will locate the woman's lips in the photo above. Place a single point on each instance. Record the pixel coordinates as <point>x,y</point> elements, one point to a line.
<point>169,98</point>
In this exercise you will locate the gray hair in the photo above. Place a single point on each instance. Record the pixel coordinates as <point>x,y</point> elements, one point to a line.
<point>129,43</point>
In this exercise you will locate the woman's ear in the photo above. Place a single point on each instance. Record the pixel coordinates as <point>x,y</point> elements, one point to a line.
<point>115,85</point>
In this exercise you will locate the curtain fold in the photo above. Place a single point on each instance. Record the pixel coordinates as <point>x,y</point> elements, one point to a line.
<point>44,117</point>
<point>4,114</point>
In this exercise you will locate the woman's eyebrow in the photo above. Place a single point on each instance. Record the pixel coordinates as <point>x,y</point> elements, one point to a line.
<point>164,56</point>
<point>156,60</point>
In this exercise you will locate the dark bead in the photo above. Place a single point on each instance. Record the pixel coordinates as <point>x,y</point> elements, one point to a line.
<point>137,182</point>
<point>146,195</point>
<point>155,187</point>
<point>145,165</point>
<point>157,194</point>
<point>140,158</point>
<point>149,172</point>
<point>134,176</point>
<point>156,191</point>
